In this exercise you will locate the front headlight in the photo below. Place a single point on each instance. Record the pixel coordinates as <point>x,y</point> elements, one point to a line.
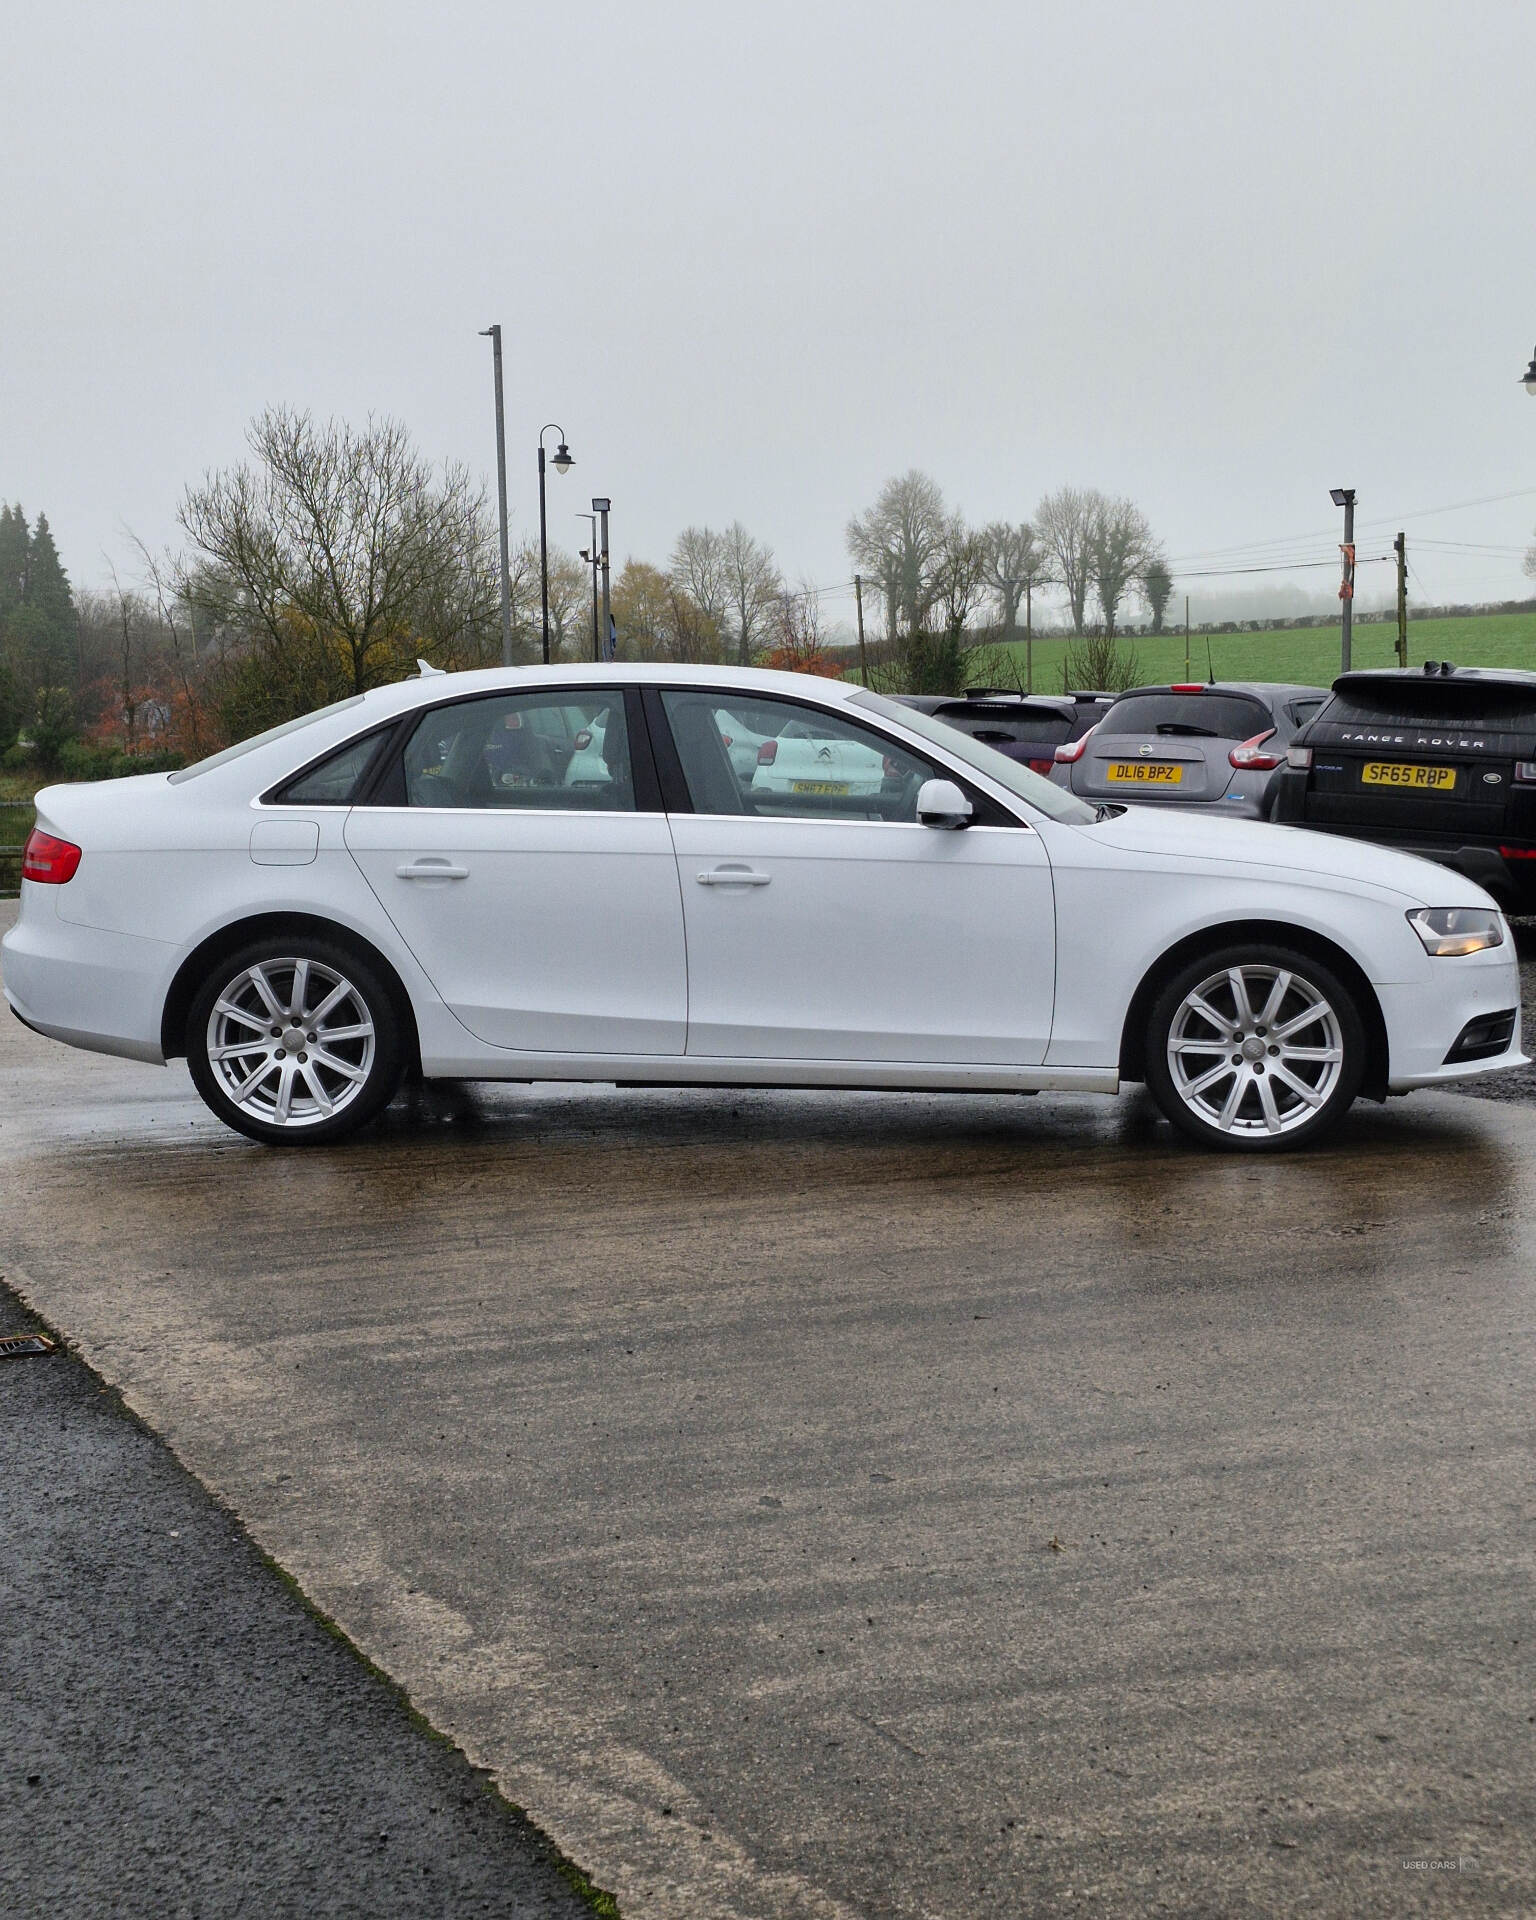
<point>1448,931</point>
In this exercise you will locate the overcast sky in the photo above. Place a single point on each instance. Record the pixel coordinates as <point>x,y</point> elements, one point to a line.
<point>756,259</point>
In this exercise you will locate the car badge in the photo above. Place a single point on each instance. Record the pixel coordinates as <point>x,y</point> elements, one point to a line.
<point>1146,750</point>
<point>1494,779</point>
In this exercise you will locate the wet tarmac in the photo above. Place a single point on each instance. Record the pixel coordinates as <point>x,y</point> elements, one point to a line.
<point>820,1505</point>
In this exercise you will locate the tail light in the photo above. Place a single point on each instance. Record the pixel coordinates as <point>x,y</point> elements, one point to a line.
<point>1298,758</point>
<point>767,753</point>
<point>1525,770</point>
<point>1187,686</point>
<point>1518,853</point>
<point>50,862</point>
<point>1041,766</point>
<point>1250,757</point>
<point>1072,752</point>
<point>583,740</point>
<point>725,739</point>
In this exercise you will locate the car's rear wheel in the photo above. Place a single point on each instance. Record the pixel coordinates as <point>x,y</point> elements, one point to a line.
<point>294,1039</point>
<point>1255,1049</point>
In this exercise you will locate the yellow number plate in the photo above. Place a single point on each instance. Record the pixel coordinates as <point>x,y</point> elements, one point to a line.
<point>1401,773</point>
<point>1148,773</point>
<point>818,786</point>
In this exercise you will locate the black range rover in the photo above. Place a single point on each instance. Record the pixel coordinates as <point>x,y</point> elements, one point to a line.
<point>1440,762</point>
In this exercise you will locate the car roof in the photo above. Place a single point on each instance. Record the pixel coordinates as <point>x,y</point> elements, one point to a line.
<point>427,689</point>
<point>1267,690</point>
<point>1516,678</point>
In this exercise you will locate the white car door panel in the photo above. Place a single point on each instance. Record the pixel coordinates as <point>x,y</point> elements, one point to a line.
<point>544,931</point>
<point>865,940</point>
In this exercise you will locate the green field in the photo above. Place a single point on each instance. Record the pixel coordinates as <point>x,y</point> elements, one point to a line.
<point>1310,655</point>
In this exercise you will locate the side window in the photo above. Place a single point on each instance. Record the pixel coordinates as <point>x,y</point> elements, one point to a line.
<point>523,750</point>
<point>334,781</point>
<point>780,760</point>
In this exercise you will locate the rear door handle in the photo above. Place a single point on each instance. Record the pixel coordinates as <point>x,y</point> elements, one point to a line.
<point>432,870</point>
<point>733,877</point>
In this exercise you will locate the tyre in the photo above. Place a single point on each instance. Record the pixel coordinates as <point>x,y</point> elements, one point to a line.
<point>1255,1049</point>
<point>295,1039</point>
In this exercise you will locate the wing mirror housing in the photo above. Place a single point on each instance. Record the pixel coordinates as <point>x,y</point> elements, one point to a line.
<point>940,803</point>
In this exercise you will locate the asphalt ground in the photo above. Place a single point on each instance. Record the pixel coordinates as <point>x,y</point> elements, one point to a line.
<point>878,1505</point>
<point>179,1734</point>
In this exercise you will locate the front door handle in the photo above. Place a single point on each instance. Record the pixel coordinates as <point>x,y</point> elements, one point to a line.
<point>432,870</point>
<point>733,877</point>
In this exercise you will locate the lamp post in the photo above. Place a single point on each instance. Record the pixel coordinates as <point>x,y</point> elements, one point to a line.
<point>589,554</point>
<point>562,463</point>
<point>601,509</point>
<point>1528,378</point>
<point>494,335</point>
<point>1345,497</point>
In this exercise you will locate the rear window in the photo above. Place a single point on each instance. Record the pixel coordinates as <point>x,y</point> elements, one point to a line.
<point>1216,716</point>
<point>1004,725</point>
<point>1416,704</point>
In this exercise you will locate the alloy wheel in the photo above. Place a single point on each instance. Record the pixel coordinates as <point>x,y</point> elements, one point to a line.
<point>1255,1051</point>
<point>291,1041</point>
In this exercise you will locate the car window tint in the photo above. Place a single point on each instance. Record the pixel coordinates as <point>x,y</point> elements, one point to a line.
<point>778,760</point>
<point>1417,703</point>
<point>334,781</point>
<point>1223,716</point>
<point>522,751</point>
<point>243,747</point>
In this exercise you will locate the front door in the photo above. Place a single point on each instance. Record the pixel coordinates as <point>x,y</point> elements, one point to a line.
<point>823,923</point>
<point>540,900</point>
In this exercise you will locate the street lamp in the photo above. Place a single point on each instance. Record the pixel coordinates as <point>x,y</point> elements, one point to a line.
<point>562,463</point>
<point>589,554</point>
<point>1528,378</point>
<point>494,336</point>
<point>1345,497</point>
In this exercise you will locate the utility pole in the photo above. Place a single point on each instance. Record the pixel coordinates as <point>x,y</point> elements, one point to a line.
<point>600,508</point>
<point>1029,636</point>
<point>1186,639</point>
<point>494,334</point>
<point>858,598</point>
<point>1345,497</point>
<point>1400,548</point>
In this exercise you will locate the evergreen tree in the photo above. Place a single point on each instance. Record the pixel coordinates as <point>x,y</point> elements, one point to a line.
<point>13,560</point>
<point>48,593</point>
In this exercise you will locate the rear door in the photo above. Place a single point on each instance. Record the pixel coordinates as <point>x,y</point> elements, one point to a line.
<point>523,857</point>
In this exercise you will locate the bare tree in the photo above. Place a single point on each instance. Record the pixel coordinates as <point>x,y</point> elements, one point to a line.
<point>899,541</point>
<point>699,567</point>
<point>570,607</point>
<point>1120,549</point>
<point>1064,523</point>
<point>335,542</point>
<point>1015,564</point>
<point>753,584</point>
<point>959,575</point>
<point>1528,565</point>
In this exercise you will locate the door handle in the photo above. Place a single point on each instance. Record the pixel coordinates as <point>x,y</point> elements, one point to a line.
<point>733,877</point>
<point>429,870</point>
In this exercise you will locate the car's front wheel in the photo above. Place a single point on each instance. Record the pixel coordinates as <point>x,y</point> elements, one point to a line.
<point>294,1039</point>
<point>1255,1048</point>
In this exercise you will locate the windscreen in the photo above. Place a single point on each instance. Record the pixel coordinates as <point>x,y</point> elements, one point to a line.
<point>1053,801</point>
<point>1209,716</point>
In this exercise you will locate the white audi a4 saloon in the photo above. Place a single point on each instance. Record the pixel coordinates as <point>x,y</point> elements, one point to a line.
<point>576,873</point>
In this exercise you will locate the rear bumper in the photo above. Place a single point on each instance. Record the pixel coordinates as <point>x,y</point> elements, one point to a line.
<point>101,991</point>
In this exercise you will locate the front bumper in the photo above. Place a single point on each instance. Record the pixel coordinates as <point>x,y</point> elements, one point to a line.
<point>1425,1020</point>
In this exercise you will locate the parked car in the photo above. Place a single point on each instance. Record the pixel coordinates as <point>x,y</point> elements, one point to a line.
<point>1440,762</point>
<point>1028,727</point>
<point>389,884</point>
<point>1190,745</point>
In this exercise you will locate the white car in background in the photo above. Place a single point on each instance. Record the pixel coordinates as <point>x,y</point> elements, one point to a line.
<point>414,881</point>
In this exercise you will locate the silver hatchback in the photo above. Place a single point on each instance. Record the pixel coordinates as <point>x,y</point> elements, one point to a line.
<point>1191,745</point>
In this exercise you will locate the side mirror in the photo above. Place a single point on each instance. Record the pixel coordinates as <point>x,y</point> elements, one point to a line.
<point>940,803</point>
